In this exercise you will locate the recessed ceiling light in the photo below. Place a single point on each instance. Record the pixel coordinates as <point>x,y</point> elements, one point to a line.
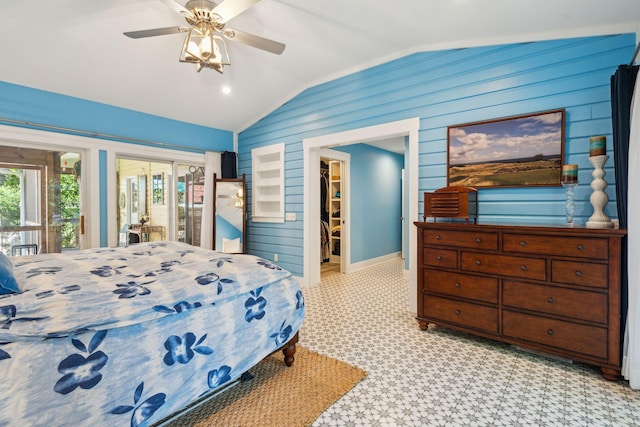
<point>226,90</point>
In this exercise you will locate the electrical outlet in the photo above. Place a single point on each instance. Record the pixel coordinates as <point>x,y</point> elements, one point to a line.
<point>290,216</point>
<point>275,257</point>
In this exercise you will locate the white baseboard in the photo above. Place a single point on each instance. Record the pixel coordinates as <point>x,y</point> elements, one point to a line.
<point>362,265</point>
<point>371,262</point>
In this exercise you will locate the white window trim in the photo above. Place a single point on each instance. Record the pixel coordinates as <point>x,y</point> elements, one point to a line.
<point>91,147</point>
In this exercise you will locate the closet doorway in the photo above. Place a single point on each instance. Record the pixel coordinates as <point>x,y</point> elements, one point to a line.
<point>312,151</point>
<point>332,219</point>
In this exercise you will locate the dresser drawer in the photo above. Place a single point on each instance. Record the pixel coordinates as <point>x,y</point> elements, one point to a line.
<point>584,305</point>
<point>460,313</point>
<point>581,247</point>
<point>461,285</point>
<point>505,265</point>
<point>588,340</point>
<point>436,257</point>
<point>579,273</point>
<point>463,239</point>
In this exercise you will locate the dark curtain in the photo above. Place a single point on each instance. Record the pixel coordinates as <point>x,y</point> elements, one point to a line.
<point>229,164</point>
<point>622,84</point>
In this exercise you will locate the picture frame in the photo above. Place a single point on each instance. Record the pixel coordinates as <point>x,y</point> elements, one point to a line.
<point>524,150</point>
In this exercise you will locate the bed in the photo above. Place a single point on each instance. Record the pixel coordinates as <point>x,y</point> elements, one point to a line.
<point>132,335</point>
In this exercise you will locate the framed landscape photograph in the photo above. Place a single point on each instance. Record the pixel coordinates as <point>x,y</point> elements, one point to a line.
<point>525,150</point>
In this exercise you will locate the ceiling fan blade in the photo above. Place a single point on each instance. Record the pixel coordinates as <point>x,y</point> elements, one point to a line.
<point>155,32</point>
<point>178,8</point>
<point>229,9</point>
<point>254,41</point>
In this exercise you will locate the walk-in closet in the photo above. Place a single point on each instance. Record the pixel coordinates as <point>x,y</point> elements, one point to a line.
<point>330,215</point>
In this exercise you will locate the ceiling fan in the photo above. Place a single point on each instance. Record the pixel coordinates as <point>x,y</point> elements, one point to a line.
<point>205,43</point>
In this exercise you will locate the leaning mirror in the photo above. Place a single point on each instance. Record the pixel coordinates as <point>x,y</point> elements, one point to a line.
<point>229,228</point>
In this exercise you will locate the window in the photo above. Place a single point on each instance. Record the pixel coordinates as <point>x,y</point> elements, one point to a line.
<point>268,183</point>
<point>157,188</point>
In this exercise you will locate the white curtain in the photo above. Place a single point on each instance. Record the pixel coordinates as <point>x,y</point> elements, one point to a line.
<point>631,353</point>
<point>212,164</point>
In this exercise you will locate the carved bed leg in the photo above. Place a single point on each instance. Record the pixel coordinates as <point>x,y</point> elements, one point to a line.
<point>289,350</point>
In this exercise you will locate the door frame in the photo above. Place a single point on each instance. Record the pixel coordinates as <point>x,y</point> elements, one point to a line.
<point>311,162</point>
<point>88,149</point>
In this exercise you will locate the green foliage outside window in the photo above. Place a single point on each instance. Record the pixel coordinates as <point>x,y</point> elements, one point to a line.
<point>69,209</point>
<point>9,200</point>
<point>66,194</point>
<point>65,203</point>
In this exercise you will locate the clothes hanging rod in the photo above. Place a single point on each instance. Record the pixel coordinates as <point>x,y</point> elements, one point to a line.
<point>99,135</point>
<point>635,54</point>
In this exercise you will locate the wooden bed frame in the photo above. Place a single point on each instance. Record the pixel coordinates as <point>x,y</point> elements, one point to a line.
<point>289,350</point>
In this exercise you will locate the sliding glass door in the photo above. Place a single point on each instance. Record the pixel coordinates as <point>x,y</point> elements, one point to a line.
<point>143,199</point>
<point>40,201</point>
<point>190,195</point>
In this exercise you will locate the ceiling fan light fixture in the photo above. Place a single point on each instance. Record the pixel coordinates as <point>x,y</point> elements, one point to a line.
<point>204,48</point>
<point>205,44</point>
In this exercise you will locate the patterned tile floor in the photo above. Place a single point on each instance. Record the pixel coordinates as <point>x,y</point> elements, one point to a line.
<point>443,378</point>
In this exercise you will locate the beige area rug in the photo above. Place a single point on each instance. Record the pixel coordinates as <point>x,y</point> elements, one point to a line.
<point>278,395</point>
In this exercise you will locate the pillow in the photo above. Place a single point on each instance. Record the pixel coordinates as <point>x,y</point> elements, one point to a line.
<point>231,246</point>
<point>8,283</point>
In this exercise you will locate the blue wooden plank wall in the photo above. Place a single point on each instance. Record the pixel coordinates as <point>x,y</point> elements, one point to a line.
<point>445,88</point>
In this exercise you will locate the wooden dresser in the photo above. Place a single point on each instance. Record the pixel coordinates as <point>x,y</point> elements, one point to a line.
<point>550,289</point>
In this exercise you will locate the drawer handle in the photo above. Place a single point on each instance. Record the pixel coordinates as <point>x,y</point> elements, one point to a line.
<point>579,273</point>
<point>478,240</point>
<point>478,262</point>
<point>550,300</point>
<point>523,243</point>
<point>457,285</point>
<point>439,257</point>
<point>550,331</point>
<point>458,312</point>
<point>581,247</point>
<point>523,267</point>
<point>437,237</point>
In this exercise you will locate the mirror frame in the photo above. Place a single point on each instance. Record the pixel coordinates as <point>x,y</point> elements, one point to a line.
<point>242,181</point>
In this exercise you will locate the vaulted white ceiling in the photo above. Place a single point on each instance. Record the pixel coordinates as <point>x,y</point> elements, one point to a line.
<point>76,47</point>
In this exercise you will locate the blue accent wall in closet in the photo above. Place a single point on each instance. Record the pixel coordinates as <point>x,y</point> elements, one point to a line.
<point>445,88</point>
<point>376,199</point>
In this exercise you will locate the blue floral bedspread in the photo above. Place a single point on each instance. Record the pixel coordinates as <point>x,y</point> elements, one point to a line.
<point>128,336</point>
